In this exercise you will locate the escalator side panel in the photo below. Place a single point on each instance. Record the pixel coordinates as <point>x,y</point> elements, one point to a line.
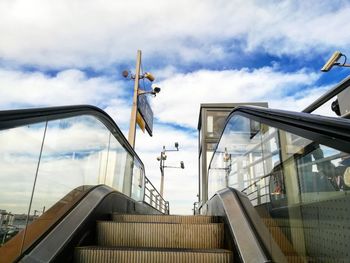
<point>78,227</point>
<point>228,203</point>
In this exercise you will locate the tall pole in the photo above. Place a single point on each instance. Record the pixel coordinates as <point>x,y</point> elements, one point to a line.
<point>162,159</point>
<point>132,129</point>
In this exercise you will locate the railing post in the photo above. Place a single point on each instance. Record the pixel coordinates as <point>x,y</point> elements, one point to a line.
<point>151,196</point>
<point>167,207</point>
<point>157,202</point>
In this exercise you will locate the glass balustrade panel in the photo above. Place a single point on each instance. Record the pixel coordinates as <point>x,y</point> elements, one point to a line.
<point>299,187</point>
<point>19,157</point>
<point>74,158</point>
<point>48,167</point>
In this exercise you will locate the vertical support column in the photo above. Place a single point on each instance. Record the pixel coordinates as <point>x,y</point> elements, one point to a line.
<point>162,165</point>
<point>162,181</point>
<point>151,196</point>
<point>132,129</point>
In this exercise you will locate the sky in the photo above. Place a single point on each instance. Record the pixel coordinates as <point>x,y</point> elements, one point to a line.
<point>69,52</point>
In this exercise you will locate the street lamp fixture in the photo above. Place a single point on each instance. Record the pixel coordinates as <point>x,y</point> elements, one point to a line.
<point>333,61</point>
<point>162,165</point>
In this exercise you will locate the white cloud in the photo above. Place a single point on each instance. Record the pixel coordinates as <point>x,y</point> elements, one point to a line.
<point>68,87</point>
<point>182,94</point>
<point>98,34</point>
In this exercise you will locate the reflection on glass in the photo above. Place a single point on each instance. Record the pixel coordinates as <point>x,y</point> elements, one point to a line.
<point>298,186</point>
<point>77,153</point>
<point>215,123</point>
<point>74,154</point>
<point>18,165</point>
<point>137,182</point>
<point>117,158</point>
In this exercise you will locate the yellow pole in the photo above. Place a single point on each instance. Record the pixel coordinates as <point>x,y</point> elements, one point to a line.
<point>132,129</point>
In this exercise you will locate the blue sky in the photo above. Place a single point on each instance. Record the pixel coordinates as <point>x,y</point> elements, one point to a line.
<point>73,52</point>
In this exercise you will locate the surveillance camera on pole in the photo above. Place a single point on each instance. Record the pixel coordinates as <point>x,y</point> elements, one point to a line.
<point>161,159</point>
<point>182,165</point>
<point>333,61</point>
<point>156,90</point>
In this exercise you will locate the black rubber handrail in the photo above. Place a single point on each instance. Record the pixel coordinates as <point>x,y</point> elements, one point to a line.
<point>15,118</point>
<point>329,131</point>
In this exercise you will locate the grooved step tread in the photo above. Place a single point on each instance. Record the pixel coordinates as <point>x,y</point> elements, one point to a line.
<point>165,219</point>
<point>160,235</point>
<point>150,255</point>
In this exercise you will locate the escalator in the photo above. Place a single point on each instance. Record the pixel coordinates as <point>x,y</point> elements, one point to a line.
<point>77,192</point>
<point>292,172</point>
<point>63,168</point>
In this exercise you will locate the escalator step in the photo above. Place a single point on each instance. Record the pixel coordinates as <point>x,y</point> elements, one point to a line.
<point>165,219</point>
<point>132,255</point>
<point>161,235</point>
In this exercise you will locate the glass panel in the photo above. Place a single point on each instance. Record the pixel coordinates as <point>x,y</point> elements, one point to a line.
<point>116,165</point>
<point>298,186</point>
<point>18,164</point>
<point>215,123</point>
<point>137,182</point>
<point>210,150</point>
<point>74,158</point>
<point>129,166</point>
<point>77,154</point>
<point>210,125</point>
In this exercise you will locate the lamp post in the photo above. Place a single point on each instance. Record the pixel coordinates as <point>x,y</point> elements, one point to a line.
<point>132,128</point>
<point>162,165</point>
<point>137,92</point>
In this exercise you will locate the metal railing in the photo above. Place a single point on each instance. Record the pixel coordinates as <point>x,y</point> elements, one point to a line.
<point>153,198</point>
<point>196,207</point>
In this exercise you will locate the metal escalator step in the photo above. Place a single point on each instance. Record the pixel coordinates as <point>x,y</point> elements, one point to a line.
<point>165,219</point>
<point>149,255</point>
<point>160,235</point>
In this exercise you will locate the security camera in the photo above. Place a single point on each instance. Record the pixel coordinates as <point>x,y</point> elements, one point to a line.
<point>182,165</point>
<point>177,145</point>
<point>156,89</point>
<point>332,61</point>
<point>335,107</point>
<point>158,158</point>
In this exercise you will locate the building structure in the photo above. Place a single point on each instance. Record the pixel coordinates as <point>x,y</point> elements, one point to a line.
<point>212,117</point>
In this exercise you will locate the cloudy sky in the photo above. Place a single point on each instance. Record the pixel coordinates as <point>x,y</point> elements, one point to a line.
<point>73,52</point>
